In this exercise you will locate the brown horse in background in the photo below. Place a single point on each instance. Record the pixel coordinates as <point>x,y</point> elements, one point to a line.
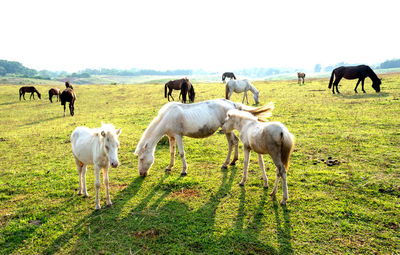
<point>354,72</point>
<point>27,89</point>
<point>300,76</point>
<point>68,85</point>
<point>68,95</point>
<point>54,92</point>
<point>178,85</point>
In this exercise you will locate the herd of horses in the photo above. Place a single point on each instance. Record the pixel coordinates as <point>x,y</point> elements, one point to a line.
<point>99,146</point>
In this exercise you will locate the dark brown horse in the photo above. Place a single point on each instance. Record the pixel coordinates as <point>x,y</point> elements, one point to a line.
<point>187,89</point>
<point>68,85</point>
<point>30,89</point>
<point>54,92</point>
<point>68,95</point>
<point>229,75</point>
<point>354,72</point>
<point>177,85</point>
<point>300,76</point>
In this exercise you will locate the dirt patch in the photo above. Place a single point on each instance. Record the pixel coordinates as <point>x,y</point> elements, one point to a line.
<point>185,193</point>
<point>150,233</point>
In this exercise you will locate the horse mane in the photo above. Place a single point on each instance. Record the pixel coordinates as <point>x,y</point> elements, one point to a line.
<point>107,128</point>
<point>372,75</point>
<point>261,112</point>
<point>152,126</point>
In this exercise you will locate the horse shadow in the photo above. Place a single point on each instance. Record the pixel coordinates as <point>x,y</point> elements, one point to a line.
<point>41,121</point>
<point>173,223</point>
<point>362,95</point>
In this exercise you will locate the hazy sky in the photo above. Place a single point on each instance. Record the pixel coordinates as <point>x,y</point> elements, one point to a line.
<point>208,34</point>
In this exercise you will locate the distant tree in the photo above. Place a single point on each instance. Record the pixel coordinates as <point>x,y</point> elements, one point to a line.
<point>394,63</point>
<point>317,68</point>
<point>3,71</point>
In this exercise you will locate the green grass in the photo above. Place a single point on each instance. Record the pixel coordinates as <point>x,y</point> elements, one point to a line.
<point>353,207</point>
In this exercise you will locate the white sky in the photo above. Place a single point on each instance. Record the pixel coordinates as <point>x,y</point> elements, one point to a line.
<point>209,34</point>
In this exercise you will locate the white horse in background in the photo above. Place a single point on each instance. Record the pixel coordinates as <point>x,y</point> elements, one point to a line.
<point>197,120</point>
<point>98,147</point>
<point>240,86</point>
<point>271,138</point>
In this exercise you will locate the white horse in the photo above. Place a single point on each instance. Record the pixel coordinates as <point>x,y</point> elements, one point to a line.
<point>240,86</point>
<point>263,137</point>
<point>98,147</point>
<point>193,120</point>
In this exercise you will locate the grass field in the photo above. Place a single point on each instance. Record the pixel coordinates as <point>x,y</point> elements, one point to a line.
<point>353,207</point>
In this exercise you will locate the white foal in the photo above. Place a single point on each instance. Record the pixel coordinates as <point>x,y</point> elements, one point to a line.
<point>271,138</point>
<point>98,147</point>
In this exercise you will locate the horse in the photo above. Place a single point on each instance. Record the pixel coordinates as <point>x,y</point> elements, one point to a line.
<point>27,89</point>
<point>187,89</point>
<point>54,92</point>
<point>177,85</point>
<point>68,85</point>
<point>98,147</point>
<point>68,95</point>
<point>197,120</point>
<point>359,72</point>
<point>300,76</point>
<point>229,75</point>
<point>240,86</point>
<point>271,138</point>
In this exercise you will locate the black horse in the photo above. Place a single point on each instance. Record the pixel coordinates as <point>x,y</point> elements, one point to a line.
<point>354,72</point>
<point>229,75</point>
<point>68,95</point>
<point>187,89</point>
<point>27,89</point>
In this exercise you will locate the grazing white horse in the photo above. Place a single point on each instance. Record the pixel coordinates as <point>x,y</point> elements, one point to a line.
<point>98,147</point>
<point>271,138</point>
<point>197,120</point>
<point>240,86</point>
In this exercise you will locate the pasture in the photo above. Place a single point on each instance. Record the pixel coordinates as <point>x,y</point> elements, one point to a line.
<point>350,207</point>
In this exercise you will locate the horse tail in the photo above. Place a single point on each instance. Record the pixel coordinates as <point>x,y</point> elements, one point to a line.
<point>331,80</point>
<point>287,145</point>
<point>261,112</point>
<point>226,90</point>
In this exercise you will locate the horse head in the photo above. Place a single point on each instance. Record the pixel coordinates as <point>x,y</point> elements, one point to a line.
<point>111,144</point>
<point>191,94</point>
<point>377,85</point>
<point>146,158</point>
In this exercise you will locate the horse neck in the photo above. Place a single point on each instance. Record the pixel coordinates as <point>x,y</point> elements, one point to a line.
<point>154,132</point>
<point>253,89</point>
<point>372,75</point>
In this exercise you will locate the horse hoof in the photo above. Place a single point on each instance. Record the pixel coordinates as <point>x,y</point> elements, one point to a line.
<point>232,164</point>
<point>241,184</point>
<point>109,205</point>
<point>283,202</point>
<point>183,174</point>
<point>167,169</point>
<point>224,167</point>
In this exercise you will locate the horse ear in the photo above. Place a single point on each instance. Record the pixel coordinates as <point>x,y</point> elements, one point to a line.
<point>118,132</point>
<point>103,133</point>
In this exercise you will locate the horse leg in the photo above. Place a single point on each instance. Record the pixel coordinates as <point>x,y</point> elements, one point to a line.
<point>232,141</point>
<point>50,98</point>
<point>97,185</point>
<point>335,84</point>
<point>246,161</point>
<point>303,81</point>
<point>172,151</point>
<point>362,85</point>
<point>31,96</point>
<point>280,172</point>
<point>64,108</point>
<point>179,141</point>
<point>262,166</point>
<point>79,168</point>
<point>23,94</point>
<point>355,89</point>
<point>106,185</point>
<point>84,188</point>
